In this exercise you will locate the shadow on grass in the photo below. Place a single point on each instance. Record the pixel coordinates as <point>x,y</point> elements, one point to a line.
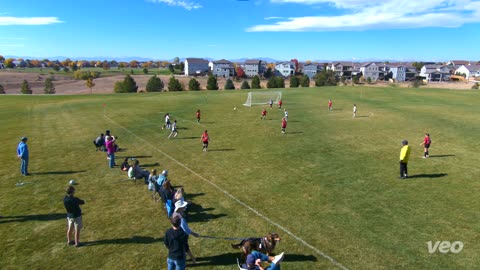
<point>196,213</point>
<point>122,149</point>
<point>299,258</point>
<point>426,175</point>
<point>201,122</point>
<point>441,156</point>
<point>151,165</point>
<point>122,157</point>
<point>182,128</point>
<point>294,132</point>
<point>193,195</point>
<point>221,150</point>
<point>57,172</point>
<point>362,116</point>
<point>294,121</point>
<point>39,217</point>
<point>188,138</point>
<point>221,259</point>
<point>121,241</point>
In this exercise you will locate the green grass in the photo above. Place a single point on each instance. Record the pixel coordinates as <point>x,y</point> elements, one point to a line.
<point>331,180</point>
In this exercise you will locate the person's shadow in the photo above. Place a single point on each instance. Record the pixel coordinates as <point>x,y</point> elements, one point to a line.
<point>129,240</point>
<point>36,217</point>
<point>427,175</point>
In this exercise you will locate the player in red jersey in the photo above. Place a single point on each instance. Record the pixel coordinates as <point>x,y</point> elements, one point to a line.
<point>197,114</point>
<point>284,125</point>
<point>264,114</point>
<point>280,102</point>
<point>426,144</point>
<point>330,105</point>
<point>205,139</point>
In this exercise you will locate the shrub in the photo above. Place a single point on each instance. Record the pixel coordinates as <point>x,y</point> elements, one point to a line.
<point>193,85</point>
<point>245,85</point>
<point>416,83</point>
<point>476,86</point>
<point>49,87</point>
<point>128,85</point>
<point>256,82</point>
<point>305,81</point>
<point>26,89</point>
<point>294,82</point>
<point>174,85</point>
<point>229,85</point>
<point>212,83</point>
<point>154,84</point>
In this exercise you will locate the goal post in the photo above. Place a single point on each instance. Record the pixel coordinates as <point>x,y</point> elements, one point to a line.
<point>262,97</point>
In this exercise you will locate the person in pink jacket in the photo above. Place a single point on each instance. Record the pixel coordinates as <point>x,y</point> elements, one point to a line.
<point>110,146</point>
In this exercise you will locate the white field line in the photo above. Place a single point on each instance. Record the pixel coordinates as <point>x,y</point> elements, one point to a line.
<point>316,250</point>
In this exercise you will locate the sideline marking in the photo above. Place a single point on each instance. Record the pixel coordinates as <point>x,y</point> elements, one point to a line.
<point>321,253</point>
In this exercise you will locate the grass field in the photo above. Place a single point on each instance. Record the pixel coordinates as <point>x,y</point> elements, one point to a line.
<point>329,186</point>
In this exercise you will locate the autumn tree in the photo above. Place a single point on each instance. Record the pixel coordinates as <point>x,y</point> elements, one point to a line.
<point>128,85</point>
<point>9,63</point>
<point>256,82</point>
<point>134,64</point>
<point>26,89</point>
<point>294,82</point>
<point>212,83</point>
<point>193,84</point>
<point>240,72</point>
<point>245,85</point>
<point>49,87</point>
<point>154,84</point>
<point>229,85</point>
<point>305,81</point>
<point>174,84</point>
<point>106,65</point>
<point>295,61</point>
<point>90,84</point>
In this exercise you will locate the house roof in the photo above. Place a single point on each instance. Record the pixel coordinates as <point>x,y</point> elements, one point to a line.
<point>253,62</point>
<point>349,64</point>
<point>368,64</point>
<point>222,61</point>
<point>196,61</point>
<point>472,68</point>
<point>460,62</point>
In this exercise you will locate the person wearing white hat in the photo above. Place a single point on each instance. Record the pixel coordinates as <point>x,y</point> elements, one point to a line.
<point>180,207</point>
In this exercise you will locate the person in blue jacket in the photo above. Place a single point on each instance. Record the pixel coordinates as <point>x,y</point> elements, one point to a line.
<point>22,153</point>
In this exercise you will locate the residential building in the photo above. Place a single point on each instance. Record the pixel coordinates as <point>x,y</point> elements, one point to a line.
<point>287,69</point>
<point>253,67</point>
<point>311,70</point>
<point>222,68</point>
<point>370,70</point>
<point>398,72</point>
<point>342,69</point>
<point>196,66</point>
<point>470,71</point>
<point>435,73</point>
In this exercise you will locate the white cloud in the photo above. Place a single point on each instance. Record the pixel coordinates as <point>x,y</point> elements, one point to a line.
<point>28,20</point>
<point>273,18</point>
<point>379,14</point>
<point>189,5</point>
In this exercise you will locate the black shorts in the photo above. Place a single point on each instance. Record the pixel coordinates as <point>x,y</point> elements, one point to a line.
<point>205,143</point>
<point>427,145</point>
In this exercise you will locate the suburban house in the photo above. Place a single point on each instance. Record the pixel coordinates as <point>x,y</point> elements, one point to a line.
<point>370,70</point>
<point>399,72</point>
<point>311,70</point>
<point>458,63</point>
<point>342,69</point>
<point>470,71</point>
<point>196,66</point>
<point>435,73</point>
<point>222,68</point>
<point>253,67</point>
<point>287,69</point>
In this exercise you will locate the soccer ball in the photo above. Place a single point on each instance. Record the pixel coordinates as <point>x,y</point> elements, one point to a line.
<point>234,108</point>
<point>72,182</point>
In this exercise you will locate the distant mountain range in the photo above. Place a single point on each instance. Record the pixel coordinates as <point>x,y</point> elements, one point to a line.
<point>143,59</point>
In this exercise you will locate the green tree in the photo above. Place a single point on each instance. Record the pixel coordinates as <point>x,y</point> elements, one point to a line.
<point>271,83</point>
<point>294,82</point>
<point>355,79</point>
<point>212,83</point>
<point>128,85</point>
<point>474,87</point>
<point>418,65</point>
<point>176,60</point>
<point>268,73</point>
<point>305,81</point>
<point>170,68</point>
<point>229,85</point>
<point>154,84</point>
<point>193,85</point>
<point>256,82</point>
<point>279,82</point>
<point>245,85</point>
<point>26,89</point>
<point>2,90</point>
<point>174,84</point>
<point>90,84</point>
<point>369,80</point>
<point>325,78</point>
<point>49,87</point>
<point>145,71</point>
<point>416,83</point>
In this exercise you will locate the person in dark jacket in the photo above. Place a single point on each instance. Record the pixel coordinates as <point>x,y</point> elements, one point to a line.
<point>176,240</point>
<point>74,216</point>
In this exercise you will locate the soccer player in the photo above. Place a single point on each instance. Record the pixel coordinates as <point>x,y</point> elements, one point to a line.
<point>264,114</point>
<point>197,114</point>
<point>426,144</point>
<point>354,110</point>
<point>205,139</point>
<point>174,130</point>
<point>270,102</point>
<point>284,125</point>
<point>167,121</point>
<point>286,114</point>
<point>404,155</point>
<point>280,102</point>
<point>330,105</point>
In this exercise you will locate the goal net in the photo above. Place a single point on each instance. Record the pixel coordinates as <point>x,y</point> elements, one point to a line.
<point>262,97</point>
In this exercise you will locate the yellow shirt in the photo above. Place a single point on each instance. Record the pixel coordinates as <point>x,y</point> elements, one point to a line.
<point>405,153</point>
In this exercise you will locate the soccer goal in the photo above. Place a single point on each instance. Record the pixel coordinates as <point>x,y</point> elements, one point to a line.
<point>262,97</point>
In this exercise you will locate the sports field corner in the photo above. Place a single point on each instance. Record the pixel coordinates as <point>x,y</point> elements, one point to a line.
<point>329,186</point>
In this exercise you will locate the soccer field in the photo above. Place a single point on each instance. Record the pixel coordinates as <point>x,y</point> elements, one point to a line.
<point>329,186</point>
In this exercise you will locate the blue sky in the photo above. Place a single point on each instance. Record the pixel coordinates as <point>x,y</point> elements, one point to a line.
<point>281,29</point>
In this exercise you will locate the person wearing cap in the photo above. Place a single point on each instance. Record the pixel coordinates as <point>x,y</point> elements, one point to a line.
<point>176,240</point>
<point>22,153</point>
<point>74,216</point>
<point>404,155</point>
<point>255,259</point>
<point>179,212</point>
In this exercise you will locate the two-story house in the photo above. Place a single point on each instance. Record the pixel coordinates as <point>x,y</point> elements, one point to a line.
<point>342,69</point>
<point>196,66</point>
<point>399,72</point>
<point>470,71</point>
<point>311,70</point>
<point>435,73</point>
<point>222,68</point>
<point>370,70</point>
<point>287,69</point>
<point>253,67</point>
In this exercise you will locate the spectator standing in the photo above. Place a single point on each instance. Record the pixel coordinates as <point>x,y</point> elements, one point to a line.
<point>23,155</point>
<point>176,241</point>
<point>74,216</point>
<point>110,145</point>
